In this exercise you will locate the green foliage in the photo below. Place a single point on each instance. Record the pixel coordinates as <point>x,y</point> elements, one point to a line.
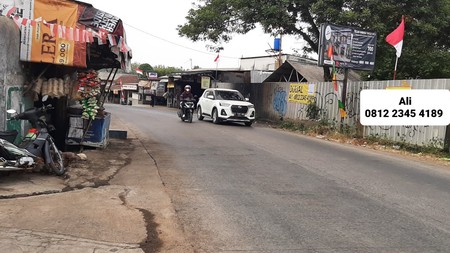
<point>313,111</point>
<point>426,48</point>
<point>163,70</point>
<point>146,68</point>
<point>332,130</point>
<point>433,147</point>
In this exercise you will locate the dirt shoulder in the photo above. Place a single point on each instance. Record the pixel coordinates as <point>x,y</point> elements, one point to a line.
<point>437,158</point>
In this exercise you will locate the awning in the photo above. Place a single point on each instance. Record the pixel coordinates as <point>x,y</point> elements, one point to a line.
<point>144,83</point>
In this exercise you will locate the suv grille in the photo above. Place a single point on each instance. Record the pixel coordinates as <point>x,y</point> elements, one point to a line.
<point>239,109</point>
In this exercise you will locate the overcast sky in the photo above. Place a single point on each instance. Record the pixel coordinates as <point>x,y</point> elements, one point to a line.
<point>152,35</point>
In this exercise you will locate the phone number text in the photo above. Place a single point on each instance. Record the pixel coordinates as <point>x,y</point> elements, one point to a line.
<point>403,113</point>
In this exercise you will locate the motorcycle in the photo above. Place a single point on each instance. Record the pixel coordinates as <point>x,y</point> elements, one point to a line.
<point>38,142</point>
<point>13,158</point>
<point>187,110</point>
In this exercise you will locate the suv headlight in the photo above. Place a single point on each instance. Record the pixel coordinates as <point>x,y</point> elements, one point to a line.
<point>224,104</point>
<point>251,106</point>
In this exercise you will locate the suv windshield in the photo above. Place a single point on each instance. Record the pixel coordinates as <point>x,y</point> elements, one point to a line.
<point>229,95</point>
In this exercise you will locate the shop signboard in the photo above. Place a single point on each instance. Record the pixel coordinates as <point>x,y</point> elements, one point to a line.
<point>161,89</point>
<point>60,36</point>
<point>206,81</point>
<point>39,43</point>
<point>303,93</point>
<point>129,87</point>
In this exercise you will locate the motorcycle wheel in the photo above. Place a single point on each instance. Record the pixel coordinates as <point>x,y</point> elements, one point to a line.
<point>56,164</point>
<point>190,116</point>
<point>180,114</point>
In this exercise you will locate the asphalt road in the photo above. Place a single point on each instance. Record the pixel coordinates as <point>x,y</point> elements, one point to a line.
<point>257,189</point>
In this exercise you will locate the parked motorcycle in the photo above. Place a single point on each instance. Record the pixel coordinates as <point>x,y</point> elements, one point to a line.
<point>38,141</point>
<point>13,158</point>
<point>187,110</point>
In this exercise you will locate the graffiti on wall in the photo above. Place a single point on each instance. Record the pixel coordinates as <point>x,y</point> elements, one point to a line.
<point>326,102</point>
<point>407,134</point>
<point>352,104</point>
<point>411,131</point>
<point>279,102</point>
<point>322,103</point>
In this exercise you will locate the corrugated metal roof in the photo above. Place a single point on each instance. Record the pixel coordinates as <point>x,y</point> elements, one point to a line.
<point>145,83</point>
<point>127,79</point>
<point>291,71</point>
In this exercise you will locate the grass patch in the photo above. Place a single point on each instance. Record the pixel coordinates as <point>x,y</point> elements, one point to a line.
<point>347,134</point>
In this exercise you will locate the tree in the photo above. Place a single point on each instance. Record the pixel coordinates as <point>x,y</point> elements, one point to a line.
<point>426,44</point>
<point>146,68</point>
<point>163,70</point>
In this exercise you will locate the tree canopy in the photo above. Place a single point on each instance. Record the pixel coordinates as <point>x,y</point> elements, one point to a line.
<point>146,67</point>
<point>163,70</point>
<point>426,47</point>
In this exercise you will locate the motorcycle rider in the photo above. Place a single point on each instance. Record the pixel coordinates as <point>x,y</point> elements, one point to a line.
<point>185,96</point>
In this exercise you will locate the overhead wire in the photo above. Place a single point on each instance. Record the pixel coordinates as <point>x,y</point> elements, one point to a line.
<point>176,44</point>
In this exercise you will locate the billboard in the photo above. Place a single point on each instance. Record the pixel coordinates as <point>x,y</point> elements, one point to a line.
<point>348,47</point>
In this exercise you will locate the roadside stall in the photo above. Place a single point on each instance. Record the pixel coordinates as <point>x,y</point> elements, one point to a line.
<point>144,87</point>
<point>63,44</point>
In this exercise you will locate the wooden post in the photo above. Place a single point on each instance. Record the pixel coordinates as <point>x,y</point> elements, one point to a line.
<point>344,95</point>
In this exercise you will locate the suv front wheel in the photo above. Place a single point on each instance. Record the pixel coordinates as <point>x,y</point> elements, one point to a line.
<point>215,117</point>
<point>199,113</point>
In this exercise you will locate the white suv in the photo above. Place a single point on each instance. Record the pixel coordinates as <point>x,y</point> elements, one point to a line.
<point>225,105</point>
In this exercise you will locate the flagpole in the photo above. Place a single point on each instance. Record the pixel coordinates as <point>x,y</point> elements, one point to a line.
<point>395,68</point>
<point>217,66</point>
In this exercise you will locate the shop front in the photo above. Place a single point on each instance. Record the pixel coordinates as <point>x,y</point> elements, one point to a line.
<point>60,60</point>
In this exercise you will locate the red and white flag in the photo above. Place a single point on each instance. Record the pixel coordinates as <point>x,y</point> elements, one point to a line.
<point>395,38</point>
<point>52,29</point>
<point>17,21</point>
<point>11,11</point>
<point>76,35</point>
<point>217,58</point>
<point>139,71</point>
<point>60,32</point>
<point>112,40</point>
<point>82,36</point>
<point>69,33</point>
<point>24,21</point>
<point>123,47</point>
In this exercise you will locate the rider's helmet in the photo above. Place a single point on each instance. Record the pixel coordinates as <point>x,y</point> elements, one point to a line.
<point>187,88</point>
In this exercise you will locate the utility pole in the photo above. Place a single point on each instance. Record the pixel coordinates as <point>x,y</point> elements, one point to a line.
<point>217,50</point>
<point>279,52</point>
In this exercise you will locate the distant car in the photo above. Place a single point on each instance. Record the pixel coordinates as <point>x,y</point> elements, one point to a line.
<point>225,105</point>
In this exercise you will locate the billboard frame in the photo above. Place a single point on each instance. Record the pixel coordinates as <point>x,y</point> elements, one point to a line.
<point>352,48</point>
